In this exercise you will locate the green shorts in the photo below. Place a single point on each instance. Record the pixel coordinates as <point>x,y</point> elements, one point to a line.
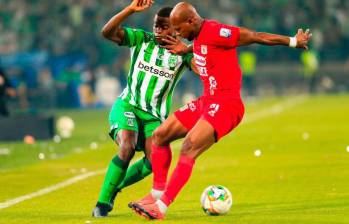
<point>124,116</point>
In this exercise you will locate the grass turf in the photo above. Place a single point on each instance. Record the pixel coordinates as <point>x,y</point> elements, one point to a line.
<point>300,177</point>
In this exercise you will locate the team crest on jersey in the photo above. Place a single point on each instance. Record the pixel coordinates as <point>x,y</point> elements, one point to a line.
<point>224,32</point>
<point>203,49</point>
<point>172,61</point>
<point>130,122</point>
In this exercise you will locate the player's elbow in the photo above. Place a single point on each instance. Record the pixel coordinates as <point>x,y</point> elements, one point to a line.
<point>105,32</point>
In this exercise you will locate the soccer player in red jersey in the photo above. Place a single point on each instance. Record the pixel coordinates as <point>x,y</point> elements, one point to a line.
<point>213,115</point>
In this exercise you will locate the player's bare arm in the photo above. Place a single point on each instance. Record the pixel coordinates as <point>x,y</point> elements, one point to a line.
<point>112,29</point>
<point>300,40</point>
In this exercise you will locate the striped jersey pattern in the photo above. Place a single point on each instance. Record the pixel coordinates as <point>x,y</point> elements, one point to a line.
<point>153,75</point>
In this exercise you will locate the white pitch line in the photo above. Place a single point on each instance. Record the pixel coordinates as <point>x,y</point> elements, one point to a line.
<point>276,109</point>
<point>49,189</point>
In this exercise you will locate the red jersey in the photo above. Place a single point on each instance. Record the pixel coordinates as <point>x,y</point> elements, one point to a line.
<point>216,58</point>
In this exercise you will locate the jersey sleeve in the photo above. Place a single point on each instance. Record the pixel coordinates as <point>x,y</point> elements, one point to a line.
<point>134,37</point>
<point>187,59</point>
<point>224,35</point>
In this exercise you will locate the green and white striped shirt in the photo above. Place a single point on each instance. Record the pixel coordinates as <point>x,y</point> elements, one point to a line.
<point>154,73</point>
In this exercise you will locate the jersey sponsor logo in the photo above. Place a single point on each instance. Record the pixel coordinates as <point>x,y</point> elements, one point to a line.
<point>213,109</point>
<point>213,84</point>
<point>200,60</point>
<point>203,49</point>
<point>202,71</point>
<point>129,115</point>
<point>155,70</point>
<point>224,32</point>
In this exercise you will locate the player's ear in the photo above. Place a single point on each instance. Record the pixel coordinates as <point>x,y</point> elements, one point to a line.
<point>190,20</point>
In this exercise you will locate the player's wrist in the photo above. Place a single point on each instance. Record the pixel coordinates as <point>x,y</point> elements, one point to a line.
<point>293,42</point>
<point>130,9</point>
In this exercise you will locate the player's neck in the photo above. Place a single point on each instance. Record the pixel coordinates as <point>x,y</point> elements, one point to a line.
<point>199,26</point>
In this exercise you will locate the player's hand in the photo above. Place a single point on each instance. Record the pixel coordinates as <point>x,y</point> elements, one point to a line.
<point>303,38</point>
<point>140,5</point>
<point>175,45</point>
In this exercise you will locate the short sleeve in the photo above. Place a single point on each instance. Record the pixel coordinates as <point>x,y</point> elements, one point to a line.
<point>134,37</point>
<point>187,59</point>
<point>224,35</point>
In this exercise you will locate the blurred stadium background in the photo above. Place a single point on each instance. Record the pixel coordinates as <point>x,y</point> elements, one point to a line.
<point>55,55</point>
<point>296,114</point>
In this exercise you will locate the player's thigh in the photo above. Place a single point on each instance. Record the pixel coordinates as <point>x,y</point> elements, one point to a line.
<point>127,139</point>
<point>199,139</point>
<point>171,129</point>
<point>178,124</point>
<point>123,123</point>
<point>189,114</point>
<point>223,115</point>
<point>147,125</point>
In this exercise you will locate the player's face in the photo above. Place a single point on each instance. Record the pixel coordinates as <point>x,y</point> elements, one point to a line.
<point>162,28</point>
<point>184,29</point>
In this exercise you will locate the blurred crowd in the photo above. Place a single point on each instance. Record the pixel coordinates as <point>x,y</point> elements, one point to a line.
<point>55,55</point>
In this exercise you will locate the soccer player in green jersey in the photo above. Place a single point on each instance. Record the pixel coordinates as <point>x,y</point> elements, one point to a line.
<point>145,102</point>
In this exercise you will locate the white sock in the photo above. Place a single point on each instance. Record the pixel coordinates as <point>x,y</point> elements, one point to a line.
<point>156,193</point>
<point>162,206</point>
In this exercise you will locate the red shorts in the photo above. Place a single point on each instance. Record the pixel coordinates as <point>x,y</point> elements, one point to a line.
<point>223,114</point>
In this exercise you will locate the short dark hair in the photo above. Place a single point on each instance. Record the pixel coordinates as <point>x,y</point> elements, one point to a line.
<point>164,12</point>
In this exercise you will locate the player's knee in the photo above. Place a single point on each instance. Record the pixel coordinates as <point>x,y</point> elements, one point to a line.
<point>159,136</point>
<point>189,147</point>
<point>127,151</point>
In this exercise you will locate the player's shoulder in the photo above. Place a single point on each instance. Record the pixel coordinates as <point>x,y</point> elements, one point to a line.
<point>211,24</point>
<point>144,35</point>
<point>213,31</point>
<point>212,28</point>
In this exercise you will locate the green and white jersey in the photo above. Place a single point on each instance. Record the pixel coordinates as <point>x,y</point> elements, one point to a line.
<point>154,73</point>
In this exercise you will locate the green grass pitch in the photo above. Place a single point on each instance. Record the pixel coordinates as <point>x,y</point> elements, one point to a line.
<point>301,177</point>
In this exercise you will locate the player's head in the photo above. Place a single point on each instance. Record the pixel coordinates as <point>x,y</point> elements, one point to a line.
<point>162,26</point>
<point>185,20</point>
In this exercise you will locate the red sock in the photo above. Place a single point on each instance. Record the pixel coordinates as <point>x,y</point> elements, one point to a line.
<point>161,157</point>
<point>179,178</point>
